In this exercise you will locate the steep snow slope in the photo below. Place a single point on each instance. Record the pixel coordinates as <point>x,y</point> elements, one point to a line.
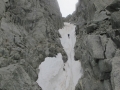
<point>54,73</point>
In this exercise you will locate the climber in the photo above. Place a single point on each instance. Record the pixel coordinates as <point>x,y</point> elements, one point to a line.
<point>68,35</point>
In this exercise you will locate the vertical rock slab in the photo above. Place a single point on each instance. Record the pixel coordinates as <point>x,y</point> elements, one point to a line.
<point>95,46</point>
<point>110,49</point>
<point>115,74</point>
<point>107,85</point>
<point>115,19</point>
<point>2,8</point>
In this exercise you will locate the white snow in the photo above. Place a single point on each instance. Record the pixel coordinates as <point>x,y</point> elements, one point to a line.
<point>54,73</point>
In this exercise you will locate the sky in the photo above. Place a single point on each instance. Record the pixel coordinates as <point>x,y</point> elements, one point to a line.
<point>67,6</point>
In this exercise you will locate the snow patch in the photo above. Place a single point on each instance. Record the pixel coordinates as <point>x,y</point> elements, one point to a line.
<point>54,73</point>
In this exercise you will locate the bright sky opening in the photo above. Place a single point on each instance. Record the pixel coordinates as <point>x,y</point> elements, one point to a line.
<point>67,6</point>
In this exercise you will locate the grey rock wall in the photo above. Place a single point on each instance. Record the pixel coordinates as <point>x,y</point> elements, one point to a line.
<point>28,34</point>
<point>98,43</point>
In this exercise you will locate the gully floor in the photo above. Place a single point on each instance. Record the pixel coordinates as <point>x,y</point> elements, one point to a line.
<point>54,73</point>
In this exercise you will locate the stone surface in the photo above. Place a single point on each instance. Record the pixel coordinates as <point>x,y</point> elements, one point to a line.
<point>98,49</point>
<point>105,65</point>
<point>110,49</point>
<point>91,28</point>
<point>89,84</point>
<point>115,19</point>
<point>95,46</point>
<point>114,6</point>
<point>107,85</point>
<point>28,34</point>
<point>14,77</point>
<point>2,8</point>
<point>115,74</point>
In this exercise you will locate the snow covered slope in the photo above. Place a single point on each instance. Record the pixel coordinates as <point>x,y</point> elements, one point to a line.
<point>54,73</point>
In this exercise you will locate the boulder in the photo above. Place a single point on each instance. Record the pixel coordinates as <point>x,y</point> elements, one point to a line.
<point>89,84</point>
<point>115,74</point>
<point>114,6</point>
<point>100,16</point>
<point>95,46</point>
<point>110,49</point>
<point>91,28</point>
<point>14,77</point>
<point>115,20</point>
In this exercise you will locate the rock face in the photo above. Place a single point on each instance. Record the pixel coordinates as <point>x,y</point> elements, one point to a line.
<point>98,43</point>
<point>28,34</point>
